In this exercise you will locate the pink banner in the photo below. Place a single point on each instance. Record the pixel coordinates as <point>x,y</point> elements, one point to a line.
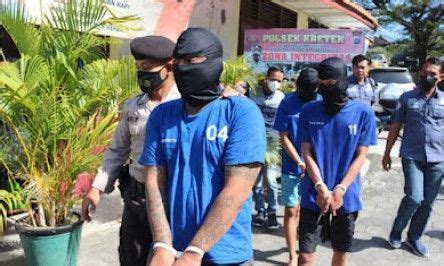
<point>295,48</point>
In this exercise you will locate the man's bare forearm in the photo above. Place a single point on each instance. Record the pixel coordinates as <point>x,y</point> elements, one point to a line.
<point>238,185</point>
<point>355,166</point>
<point>312,167</point>
<point>155,188</point>
<point>395,127</point>
<point>219,220</point>
<point>290,149</point>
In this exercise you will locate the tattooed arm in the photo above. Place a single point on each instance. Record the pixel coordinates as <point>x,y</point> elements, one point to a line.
<point>239,181</point>
<point>155,188</point>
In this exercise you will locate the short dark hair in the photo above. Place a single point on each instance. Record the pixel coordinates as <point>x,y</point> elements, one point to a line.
<point>359,58</point>
<point>433,61</point>
<point>272,69</point>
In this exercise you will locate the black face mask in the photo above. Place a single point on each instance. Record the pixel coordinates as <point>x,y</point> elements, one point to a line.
<point>441,85</point>
<point>426,83</point>
<point>149,81</point>
<point>307,95</point>
<point>334,96</point>
<point>198,83</point>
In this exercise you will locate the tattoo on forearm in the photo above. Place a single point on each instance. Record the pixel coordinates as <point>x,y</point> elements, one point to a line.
<point>217,223</point>
<point>156,207</point>
<point>225,209</point>
<point>247,171</point>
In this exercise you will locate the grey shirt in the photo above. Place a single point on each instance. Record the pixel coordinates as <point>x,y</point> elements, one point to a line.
<point>363,92</point>
<point>128,141</point>
<point>423,120</point>
<point>268,104</point>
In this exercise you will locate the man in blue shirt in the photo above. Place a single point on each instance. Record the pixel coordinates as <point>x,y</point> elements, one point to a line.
<point>202,156</point>
<point>293,166</point>
<point>421,111</point>
<point>335,135</point>
<point>360,87</point>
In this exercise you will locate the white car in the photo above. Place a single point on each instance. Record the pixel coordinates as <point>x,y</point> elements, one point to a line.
<point>378,60</point>
<point>391,83</point>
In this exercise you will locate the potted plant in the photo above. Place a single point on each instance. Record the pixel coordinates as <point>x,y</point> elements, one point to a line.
<point>60,101</point>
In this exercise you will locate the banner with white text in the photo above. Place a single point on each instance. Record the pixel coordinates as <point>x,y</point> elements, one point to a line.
<point>294,49</point>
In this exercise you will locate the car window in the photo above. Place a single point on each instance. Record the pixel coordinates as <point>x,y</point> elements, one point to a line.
<point>376,57</point>
<point>391,76</point>
<point>397,57</point>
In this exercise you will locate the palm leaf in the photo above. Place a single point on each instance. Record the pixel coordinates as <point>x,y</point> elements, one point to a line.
<point>76,16</point>
<point>22,82</point>
<point>287,87</point>
<point>24,34</point>
<point>8,202</point>
<point>234,70</point>
<point>237,69</point>
<point>86,16</point>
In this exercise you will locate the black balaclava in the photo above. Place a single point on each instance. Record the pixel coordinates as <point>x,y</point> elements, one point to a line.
<point>334,96</point>
<point>198,83</point>
<point>307,84</point>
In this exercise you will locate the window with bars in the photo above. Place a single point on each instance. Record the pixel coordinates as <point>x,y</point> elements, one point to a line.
<point>263,14</point>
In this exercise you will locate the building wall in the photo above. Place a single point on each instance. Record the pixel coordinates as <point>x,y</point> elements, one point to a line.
<point>119,48</point>
<point>167,18</point>
<point>222,17</point>
<point>302,16</point>
<point>302,20</point>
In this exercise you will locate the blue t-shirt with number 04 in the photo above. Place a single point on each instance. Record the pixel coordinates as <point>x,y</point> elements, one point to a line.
<point>194,149</point>
<point>334,141</point>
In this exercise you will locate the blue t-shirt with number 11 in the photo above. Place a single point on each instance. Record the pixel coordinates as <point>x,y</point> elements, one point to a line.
<point>195,149</point>
<point>334,141</point>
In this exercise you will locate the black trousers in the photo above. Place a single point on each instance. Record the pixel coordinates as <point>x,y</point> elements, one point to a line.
<point>135,233</point>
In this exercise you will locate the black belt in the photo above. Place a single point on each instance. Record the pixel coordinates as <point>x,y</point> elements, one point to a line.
<point>129,187</point>
<point>137,188</point>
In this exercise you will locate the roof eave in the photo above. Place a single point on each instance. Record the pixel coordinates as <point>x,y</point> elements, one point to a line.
<point>355,11</point>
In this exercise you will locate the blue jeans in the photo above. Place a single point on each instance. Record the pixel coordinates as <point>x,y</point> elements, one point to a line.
<point>422,184</point>
<point>269,173</point>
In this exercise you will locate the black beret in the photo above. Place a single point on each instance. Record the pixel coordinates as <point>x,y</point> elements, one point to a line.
<point>152,47</point>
